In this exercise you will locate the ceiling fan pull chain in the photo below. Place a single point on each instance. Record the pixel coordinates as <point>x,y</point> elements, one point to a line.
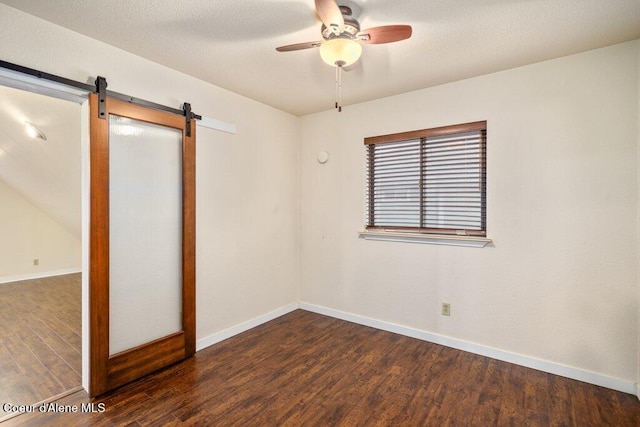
<point>339,89</point>
<point>337,69</point>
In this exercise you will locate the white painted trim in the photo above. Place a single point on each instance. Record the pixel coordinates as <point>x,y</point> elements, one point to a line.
<point>431,239</point>
<point>18,80</point>
<point>243,327</point>
<point>506,356</point>
<point>210,123</point>
<point>85,115</point>
<point>8,279</point>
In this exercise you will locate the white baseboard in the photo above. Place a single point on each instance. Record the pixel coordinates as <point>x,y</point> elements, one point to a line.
<point>245,326</point>
<point>506,356</point>
<point>9,279</point>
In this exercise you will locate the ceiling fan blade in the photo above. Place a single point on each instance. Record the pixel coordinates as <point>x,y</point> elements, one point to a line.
<point>385,34</point>
<point>330,14</point>
<point>298,46</point>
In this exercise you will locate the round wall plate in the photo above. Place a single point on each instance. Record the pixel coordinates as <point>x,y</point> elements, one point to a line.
<point>323,157</point>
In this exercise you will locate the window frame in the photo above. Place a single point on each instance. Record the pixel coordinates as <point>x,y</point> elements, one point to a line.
<point>430,232</point>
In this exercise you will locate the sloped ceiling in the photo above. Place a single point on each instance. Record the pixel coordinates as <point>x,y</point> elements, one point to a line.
<point>47,173</point>
<point>231,43</point>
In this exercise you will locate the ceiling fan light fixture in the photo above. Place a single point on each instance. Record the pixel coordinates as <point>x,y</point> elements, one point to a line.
<point>340,52</point>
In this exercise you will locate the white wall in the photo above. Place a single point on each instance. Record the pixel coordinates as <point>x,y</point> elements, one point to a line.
<point>28,233</point>
<point>560,281</point>
<point>246,184</point>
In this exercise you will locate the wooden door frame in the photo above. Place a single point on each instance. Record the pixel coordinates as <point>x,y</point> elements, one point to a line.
<point>108,372</point>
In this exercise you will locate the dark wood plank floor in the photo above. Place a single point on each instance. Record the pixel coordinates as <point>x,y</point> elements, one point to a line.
<point>40,344</point>
<point>308,369</point>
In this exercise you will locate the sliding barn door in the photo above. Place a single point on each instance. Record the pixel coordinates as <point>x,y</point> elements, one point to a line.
<point>142,260</point>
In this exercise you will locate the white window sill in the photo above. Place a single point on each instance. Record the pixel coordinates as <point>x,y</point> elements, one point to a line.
<point>430,239</point>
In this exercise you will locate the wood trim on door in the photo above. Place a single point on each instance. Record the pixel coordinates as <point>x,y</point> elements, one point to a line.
<point>108,372</point>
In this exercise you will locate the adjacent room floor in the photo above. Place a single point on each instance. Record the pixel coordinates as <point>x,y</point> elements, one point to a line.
<point>308,369</point>
<point>40,339</point>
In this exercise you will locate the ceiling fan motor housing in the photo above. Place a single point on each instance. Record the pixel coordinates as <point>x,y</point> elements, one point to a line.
<point>351,27</point>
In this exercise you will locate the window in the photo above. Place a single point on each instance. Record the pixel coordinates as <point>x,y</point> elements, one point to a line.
<point>428,181</point>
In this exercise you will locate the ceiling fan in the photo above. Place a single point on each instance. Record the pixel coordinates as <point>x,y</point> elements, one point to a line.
<point>342,38</point>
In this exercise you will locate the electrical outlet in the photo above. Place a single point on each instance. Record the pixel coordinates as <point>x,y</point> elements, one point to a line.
<point>36,261</point>
<point>446,309</point>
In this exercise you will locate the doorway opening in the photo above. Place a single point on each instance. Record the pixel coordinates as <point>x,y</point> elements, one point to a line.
<point>42,261</point>
<point>68,207</point>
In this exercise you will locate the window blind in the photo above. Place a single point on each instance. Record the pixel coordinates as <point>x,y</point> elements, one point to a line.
<point>432,181</point>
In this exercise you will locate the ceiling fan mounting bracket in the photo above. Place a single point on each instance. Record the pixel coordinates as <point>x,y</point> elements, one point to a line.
<point>346,10</point>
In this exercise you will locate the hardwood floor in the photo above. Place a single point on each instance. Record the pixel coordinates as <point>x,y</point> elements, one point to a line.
<point>308,369</point>
<point>40,339</point>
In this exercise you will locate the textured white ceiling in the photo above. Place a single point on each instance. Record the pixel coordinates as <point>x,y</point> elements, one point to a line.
<point>47,173</point>
<point>231,43</point>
